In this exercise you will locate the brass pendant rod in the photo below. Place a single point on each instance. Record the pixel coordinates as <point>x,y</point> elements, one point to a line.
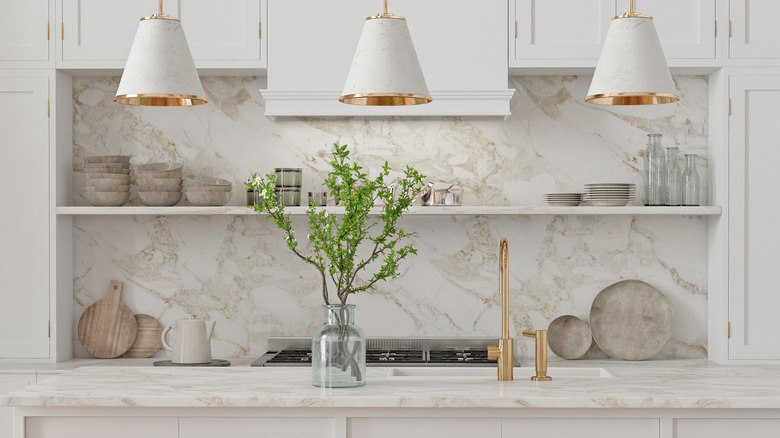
<point>386,5</point>
<point>631,10</point>
<point>632,2</point>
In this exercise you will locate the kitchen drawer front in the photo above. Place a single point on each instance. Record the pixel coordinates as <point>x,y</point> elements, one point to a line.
<point>256,427</point>
<point>424,428</point>
<point>726,428</point>
<point>581,428</point>
<point>102,427</point>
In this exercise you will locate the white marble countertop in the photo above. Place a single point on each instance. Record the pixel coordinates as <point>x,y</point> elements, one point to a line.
<point>649,384</point>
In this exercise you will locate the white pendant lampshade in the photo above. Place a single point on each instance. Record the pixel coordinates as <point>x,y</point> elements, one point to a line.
<point>632,68</point>
<point>160,70</point>
<point>385,69</point>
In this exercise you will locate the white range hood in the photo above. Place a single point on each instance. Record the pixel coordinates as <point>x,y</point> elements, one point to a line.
<point>461,45</point>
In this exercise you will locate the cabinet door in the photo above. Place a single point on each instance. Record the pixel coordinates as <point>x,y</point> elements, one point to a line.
<point>564,29</point>
<point>103,30</point>
<point>9,383</point>
<point>754,280</point>
<point>754,31</point>
<point>102,427</point>
<point>726,427</point>
<point>424,427</point>
<point>228,29</point>
<point>24,222</point>
<point>254,427</point>
<point>24,31</point>
<point>581,428</point>
<point>686,28</point>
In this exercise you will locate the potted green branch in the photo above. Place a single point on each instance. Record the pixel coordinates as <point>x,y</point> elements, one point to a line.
<point>342,247</point>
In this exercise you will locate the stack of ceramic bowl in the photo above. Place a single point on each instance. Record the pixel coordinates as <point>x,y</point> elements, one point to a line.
<point>609,194</point>
<point>563,199</point>
<point>108,180</point>
<point>208,191</point>
<point>159,184</point>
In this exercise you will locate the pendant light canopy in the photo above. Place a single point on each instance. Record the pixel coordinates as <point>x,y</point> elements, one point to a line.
<point>160,70</point>
<point>385,69</point>
<point>632,68</point>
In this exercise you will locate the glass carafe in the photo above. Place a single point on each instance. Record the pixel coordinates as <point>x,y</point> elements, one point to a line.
<point>690,181</point>
<point>655,170</point>
<point>338,358</point>
<point>673,177</point>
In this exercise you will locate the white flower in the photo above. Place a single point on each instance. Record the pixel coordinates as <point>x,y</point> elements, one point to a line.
<point>308,236</point>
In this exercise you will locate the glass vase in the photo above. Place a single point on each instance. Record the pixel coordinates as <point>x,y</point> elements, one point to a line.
<point>655,170</point>
<point>673,177</point>
<point>690,181</point>
<point>338,348</point>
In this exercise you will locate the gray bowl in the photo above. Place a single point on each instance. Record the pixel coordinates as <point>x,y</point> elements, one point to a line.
<point>107,188</point>
<point>103,176</point>
<point>206,181</point>
<point>106,170</point>
<point>164,174</point>
<point>107,159</point>
<point>159,187</point>
<point>210,189</point>
<point>159,167</point>
<point>113,182</point>
<point>213,199</point>
<point>150,181</point>
<point>161,199</point>
<point>106,199</point>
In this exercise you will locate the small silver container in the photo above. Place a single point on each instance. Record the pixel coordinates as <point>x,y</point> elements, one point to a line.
<point>288,196</point>
<point>318,198</point>
<point>288,176</point>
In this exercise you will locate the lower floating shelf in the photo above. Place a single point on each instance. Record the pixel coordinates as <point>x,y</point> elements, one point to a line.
<point>414,211</point>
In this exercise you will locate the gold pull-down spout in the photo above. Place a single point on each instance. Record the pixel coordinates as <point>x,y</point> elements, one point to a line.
<point>504,351</point>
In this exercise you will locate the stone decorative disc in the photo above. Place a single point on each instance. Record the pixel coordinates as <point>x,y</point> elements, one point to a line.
<point>631,320</point>
<point>569,337</point>
<point>213,363</point>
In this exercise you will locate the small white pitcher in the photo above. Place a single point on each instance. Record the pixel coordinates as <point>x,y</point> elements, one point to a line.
<point>191,340</point>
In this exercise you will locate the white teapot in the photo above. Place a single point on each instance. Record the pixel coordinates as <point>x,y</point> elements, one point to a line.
<point>191,340</point>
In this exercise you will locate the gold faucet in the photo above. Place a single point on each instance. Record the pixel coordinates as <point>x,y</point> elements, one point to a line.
<point>503,352</point>
<point>541,354</point>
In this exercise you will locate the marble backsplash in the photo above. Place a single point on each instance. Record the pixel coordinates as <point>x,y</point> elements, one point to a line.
<point>237,270</point>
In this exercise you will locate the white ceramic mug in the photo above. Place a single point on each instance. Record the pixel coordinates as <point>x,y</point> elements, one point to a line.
<point>191,341</point>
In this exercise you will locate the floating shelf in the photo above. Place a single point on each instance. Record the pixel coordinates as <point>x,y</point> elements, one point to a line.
<point>471,210</point>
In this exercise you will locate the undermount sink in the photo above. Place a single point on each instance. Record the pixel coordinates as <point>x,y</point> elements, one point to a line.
<point>490,372</point>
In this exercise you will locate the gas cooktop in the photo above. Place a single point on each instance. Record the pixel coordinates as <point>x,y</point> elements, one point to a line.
<point>389,352</point>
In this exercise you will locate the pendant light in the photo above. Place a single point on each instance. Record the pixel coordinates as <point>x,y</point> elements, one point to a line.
<point>632,68</point>
<point>385,70</point>
<point>159,69</point>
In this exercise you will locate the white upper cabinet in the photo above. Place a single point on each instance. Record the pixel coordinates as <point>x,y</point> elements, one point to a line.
<point>103,30</point>
<point>754,29</point>
<point>686,28</point>
<point>24,224</point>
<point>461,45</point>
<point>561,29</point>
<point>753,232</point>
<point>24,31</point>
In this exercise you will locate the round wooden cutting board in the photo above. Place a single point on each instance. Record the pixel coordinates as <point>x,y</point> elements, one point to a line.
<point>148,338</point>
<point>108,328</point>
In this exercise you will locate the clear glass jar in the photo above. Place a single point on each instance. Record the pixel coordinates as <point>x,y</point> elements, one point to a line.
<point>338,349</point>
<point>673,177</point>
<point>690,181</point>
<point>655,170</point>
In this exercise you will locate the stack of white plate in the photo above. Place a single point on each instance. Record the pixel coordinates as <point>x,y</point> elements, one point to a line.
<point>108,180</point>
<point>159,184</point>
<point>208,191</point>
<point>609,194</point>
<point>563,199</point>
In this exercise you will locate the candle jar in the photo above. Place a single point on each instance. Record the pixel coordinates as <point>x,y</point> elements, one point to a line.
<point>288,176</point>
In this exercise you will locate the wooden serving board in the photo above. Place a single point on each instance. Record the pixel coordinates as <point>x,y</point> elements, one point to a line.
<point>148,338</point>
<point>108,328</point>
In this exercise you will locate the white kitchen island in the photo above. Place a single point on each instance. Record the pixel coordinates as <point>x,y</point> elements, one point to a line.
<point>681,398</point>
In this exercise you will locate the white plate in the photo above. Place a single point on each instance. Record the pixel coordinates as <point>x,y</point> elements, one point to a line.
<point>610,185</point>
<point>612,203</point>
<point>563,203</point>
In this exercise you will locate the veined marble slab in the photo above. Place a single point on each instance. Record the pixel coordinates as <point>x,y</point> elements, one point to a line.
<point>652,384</point>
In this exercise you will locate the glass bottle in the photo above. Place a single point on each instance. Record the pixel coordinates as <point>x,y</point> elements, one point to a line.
<point>673,177</point>
<point>690,181</point>
<point>655,170</point>
<point>338,350</point>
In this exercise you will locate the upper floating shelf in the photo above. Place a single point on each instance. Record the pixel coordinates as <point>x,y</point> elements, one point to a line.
<point>414,211</point>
